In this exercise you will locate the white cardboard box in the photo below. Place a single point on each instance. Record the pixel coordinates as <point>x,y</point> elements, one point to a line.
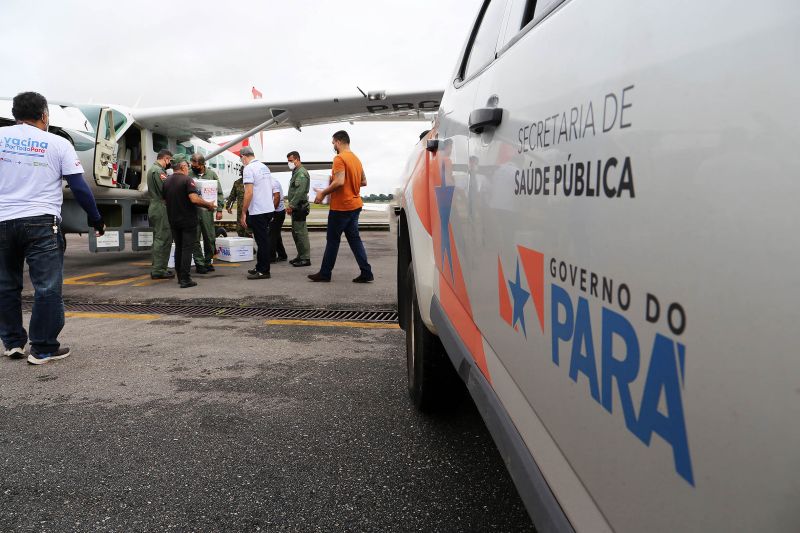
<point>171,263</point>
<point>208,189</point>
<point>234,249</point>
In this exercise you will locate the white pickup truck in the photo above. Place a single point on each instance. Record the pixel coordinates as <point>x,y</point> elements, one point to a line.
<point>599,236</point>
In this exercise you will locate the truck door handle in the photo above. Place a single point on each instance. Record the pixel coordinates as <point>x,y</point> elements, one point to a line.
<point>488,117</point>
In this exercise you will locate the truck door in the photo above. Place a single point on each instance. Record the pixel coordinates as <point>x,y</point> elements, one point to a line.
<point>451,165</point>
<point>105,152</point>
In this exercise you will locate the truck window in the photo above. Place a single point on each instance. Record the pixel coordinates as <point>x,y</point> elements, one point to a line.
<point>522,12</point>
<point>484,43</point>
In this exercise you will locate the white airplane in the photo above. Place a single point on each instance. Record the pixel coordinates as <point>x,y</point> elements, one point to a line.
<point>117,144</point>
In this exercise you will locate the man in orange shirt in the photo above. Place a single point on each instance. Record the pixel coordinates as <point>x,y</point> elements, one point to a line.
<point>345,205</point>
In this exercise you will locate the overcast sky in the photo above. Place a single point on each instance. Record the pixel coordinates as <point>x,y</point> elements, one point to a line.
<point>150,53</point>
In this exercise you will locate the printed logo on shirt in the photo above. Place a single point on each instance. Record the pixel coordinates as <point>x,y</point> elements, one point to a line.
<point>27,147</point>
<point>77,162</point>
<point>163,177</point>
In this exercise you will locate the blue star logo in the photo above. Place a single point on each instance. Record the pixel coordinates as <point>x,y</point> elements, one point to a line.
<point>520,297</point>
<point>444,199</point>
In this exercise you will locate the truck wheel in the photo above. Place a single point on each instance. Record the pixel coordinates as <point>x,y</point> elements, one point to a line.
<point>433,383</point>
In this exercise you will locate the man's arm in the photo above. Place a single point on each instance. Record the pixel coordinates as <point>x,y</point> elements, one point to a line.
<point>220,199</point>
<point>248,197</point>
<point>85,198</point>
<point>276,199</point>
<point>363,178</point>
<point>196,199</point>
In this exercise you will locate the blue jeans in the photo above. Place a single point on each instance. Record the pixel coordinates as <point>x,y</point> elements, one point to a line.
<point>34,240</point>
<point>344,222</point>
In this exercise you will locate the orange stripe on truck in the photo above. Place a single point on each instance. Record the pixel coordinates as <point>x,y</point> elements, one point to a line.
<point>463,324</point>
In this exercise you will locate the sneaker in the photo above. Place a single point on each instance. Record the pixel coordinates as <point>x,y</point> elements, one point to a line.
<point>166,275</point>
<point>295,260</point>
<point>363,279</point>
<point>259,275</point>
<point>284,258</point>
<point>318,277</point>
<point>254,271</point>
<point>210,268</point>
<point>15,353</point>
<point>42,358</point>
<point>201,270</point>
<point>302,263</point>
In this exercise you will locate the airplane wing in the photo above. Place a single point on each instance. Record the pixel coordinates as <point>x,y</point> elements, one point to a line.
<point>206,121</point>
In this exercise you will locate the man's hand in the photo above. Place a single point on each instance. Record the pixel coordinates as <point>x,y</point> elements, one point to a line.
<point>99,227</point>
<point>320,197</point>
<point>219,215</point>
<point>243,221</point>
<point>211,206</point>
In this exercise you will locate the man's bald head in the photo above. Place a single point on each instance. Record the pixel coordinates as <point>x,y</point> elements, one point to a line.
<point>198,159</point>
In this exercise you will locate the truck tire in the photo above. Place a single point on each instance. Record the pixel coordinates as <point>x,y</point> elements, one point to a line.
<point>433,384</point>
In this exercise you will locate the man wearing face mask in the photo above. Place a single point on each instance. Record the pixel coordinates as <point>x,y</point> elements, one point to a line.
<point>347,178</point>
<point>157,215</point>
<point>298,207</point>
<point>205,219</point>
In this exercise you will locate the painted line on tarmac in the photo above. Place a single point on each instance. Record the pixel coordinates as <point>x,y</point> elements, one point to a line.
<point>79,280</point>
<point>124,316</point>
<point>125,281</point>
<point>152,282</point>
<point>142,264</point>
<point>330,324</point>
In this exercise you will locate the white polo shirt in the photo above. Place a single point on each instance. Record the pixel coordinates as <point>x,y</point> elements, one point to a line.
<point>259,175</point>
<point>32,163</point>
<point>278,188</point>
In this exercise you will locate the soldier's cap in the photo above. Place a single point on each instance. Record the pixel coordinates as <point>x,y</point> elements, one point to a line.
<point>246,150</point>
<point>177,159</point>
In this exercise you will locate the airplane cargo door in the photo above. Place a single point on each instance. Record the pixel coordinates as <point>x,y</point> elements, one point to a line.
<point>105,153</point>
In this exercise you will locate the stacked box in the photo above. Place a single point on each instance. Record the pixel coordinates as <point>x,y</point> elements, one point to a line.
<point>234,249</point>
<point>208,190</point>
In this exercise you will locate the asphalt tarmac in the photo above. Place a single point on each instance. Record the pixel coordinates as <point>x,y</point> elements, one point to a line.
<point>160,422</point>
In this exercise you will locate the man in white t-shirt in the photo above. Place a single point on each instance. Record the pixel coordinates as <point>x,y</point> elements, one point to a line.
<point>275,240</point>
<point>258,209</point>
<point>32,165</point>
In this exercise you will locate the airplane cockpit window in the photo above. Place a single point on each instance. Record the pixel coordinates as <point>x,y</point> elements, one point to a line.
<point>187,149</point>
<point>80,140</point>
<point>484,44</point>
<point>160,142</point>
<point>92,113</point>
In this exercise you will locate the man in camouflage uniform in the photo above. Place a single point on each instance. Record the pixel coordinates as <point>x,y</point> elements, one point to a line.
<point>157,215</point>
<point>237,196</point>
<point>297,206</point>
<point>205,219</point>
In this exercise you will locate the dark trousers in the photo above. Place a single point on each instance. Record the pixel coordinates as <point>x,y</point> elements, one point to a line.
<point>344,222</point>
<point>276,241</point>
<point>260,226</point>
<point>185,238</point>
<point>32,239</point>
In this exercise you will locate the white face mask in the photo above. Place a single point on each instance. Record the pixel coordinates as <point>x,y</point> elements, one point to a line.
<point>169,172</point>
<point>291,165</point>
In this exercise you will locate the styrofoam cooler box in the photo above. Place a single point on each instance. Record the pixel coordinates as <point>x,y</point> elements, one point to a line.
<point>171,263</point>
<point>234,249</point>
<point>208,189</point>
